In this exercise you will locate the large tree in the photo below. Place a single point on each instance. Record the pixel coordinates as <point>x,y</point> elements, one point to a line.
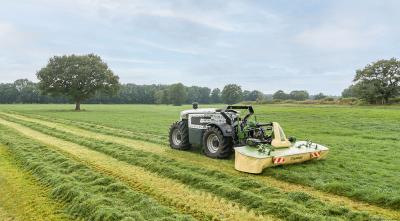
<point>381,78</point>
<point>299,95</point>
<point>77,77</point>
<point>280,95</point>
<point>177,94</point>
<point>231,94</point>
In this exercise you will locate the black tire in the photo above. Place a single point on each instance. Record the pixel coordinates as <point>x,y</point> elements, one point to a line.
<point>215,145</point>
<point>179,136</point>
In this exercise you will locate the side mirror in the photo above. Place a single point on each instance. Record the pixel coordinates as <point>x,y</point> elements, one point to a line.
<point>195,105</point>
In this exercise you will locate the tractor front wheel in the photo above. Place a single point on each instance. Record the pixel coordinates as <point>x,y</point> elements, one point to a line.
<point>179,136</point>
<point>215,145</point>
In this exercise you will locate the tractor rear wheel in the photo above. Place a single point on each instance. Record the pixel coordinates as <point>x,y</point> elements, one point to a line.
<point>179,136</point>
<point>215,145</point>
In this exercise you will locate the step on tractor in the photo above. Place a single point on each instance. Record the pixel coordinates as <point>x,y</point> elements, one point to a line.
<point>235,128</point>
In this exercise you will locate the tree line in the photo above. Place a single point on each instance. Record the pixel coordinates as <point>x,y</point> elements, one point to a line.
<point>26,91</point>
<point>87,79</point>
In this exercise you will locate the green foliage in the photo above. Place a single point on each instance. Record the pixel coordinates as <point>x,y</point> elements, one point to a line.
<point>299,95</point>
<point>77,77</point>
<point>349,92</point>
<point>319,96</point>
<point>198,94</point>
<point>177,94</point>
<point>8,93</point>
<point>293,95</point>
<point>216,96</point>
<point>395,100</point>
<point>252,95</point>
<point>231,94</point>
<point>280,95</point>
<point>25,91</point>
<point>379,81</point>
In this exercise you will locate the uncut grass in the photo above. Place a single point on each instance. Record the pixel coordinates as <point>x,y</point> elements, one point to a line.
<point>22,198</point>
<point>362,140</point>
<point>86,194</point>
<point>266,200</point>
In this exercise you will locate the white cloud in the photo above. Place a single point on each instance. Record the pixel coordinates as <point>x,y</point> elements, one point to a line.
<point>150,75</point>
<point>343,34</point>
<point>182,50</point>
<point>162,9</point>
<point>342,30</point>
<point>221,17</point>
<point>132,60</point>
<point>10,36</point>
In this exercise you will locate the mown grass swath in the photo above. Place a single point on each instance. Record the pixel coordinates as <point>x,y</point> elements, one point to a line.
<point>224,166</point>
<point>248,193</point>
<point>200,204</point>
<point>86,194</point>
<point>18,189</point>
<point>144,136</point>
<point>362,140</point>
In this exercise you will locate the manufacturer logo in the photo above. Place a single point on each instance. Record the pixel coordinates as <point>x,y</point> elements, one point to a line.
<point>296,158</point>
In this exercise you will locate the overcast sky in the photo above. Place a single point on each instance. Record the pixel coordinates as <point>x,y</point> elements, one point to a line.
<point>264,45</point>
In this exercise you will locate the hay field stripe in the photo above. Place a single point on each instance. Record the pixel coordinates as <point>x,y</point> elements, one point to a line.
<point>264,200</point>
<point>222,165</point>
<point>4,216</point>
<point>22,196</point>
<point>197,203</point>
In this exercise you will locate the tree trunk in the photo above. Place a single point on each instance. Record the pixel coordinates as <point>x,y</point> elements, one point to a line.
<point>387,100</point>
<point>78,105</point>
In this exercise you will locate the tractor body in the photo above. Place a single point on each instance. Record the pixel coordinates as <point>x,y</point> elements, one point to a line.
<point>234,128</point>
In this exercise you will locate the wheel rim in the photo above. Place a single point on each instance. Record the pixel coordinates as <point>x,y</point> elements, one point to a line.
<point>176,137</point>
<point>213,143</point>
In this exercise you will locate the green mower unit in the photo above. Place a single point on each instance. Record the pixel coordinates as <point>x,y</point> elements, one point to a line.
<point>256,145</point>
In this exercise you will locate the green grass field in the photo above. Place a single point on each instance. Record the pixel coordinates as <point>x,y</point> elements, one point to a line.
<point>58,147</point>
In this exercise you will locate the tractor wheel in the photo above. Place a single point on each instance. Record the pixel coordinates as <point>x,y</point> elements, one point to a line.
<point>215,145</point>
<point>179,136</point>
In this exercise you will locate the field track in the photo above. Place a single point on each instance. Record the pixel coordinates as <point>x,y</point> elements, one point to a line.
<point>168,190</point>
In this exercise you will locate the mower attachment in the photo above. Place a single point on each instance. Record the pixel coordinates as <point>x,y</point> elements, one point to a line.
<point>252,160</point>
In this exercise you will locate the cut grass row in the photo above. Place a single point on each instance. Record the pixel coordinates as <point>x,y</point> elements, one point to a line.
<point>148,136</point>
<point>4,216</point>
<point>225,166</point>
<point>200,204</point>
<point>343,173</point>
<point>86,194</point>
<point>21,197</point>
<point>251,194</point>
<point>221,165</point>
